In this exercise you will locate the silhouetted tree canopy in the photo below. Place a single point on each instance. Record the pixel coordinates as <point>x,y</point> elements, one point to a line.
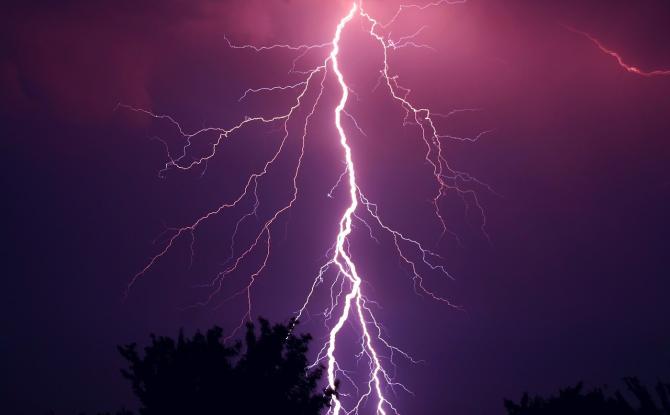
<point>574,401</point>
<point>202,376</point>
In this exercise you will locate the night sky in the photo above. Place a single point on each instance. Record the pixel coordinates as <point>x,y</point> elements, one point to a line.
<point>573,285</point>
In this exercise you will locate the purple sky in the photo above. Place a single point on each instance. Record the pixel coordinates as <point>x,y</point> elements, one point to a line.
<point>573,285</point>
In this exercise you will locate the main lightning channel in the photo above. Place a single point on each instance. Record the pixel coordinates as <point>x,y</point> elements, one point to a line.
<point>348,304</point>
<point>341,258</point>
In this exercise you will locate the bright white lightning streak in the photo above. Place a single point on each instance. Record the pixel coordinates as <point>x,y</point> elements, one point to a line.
<point>341,257</point>
<point>346,288</point>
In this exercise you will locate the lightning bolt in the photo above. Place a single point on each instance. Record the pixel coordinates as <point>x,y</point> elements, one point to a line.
<point>348,303</point>
<point>629,68</point>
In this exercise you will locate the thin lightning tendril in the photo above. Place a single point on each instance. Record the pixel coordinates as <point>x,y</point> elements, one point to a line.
<point>348,304</point>
<point>630,68</point>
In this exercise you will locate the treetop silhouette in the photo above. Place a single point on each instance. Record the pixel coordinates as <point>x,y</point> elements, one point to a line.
<point>269,373</point>
<point>573,401</point>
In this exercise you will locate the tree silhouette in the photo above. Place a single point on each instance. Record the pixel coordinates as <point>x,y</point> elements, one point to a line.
<point>573,401</point>
<point>202,376</point>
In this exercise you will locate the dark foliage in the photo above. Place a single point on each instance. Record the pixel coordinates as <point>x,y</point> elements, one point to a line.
<point>121,412</point>
<point>574,401</point>
<point>202,376</point>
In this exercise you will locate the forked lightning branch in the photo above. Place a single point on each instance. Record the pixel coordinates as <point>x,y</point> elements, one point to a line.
<point>339,274</point>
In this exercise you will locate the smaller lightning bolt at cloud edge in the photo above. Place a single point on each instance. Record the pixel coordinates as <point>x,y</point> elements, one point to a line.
<point>629,68</point>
